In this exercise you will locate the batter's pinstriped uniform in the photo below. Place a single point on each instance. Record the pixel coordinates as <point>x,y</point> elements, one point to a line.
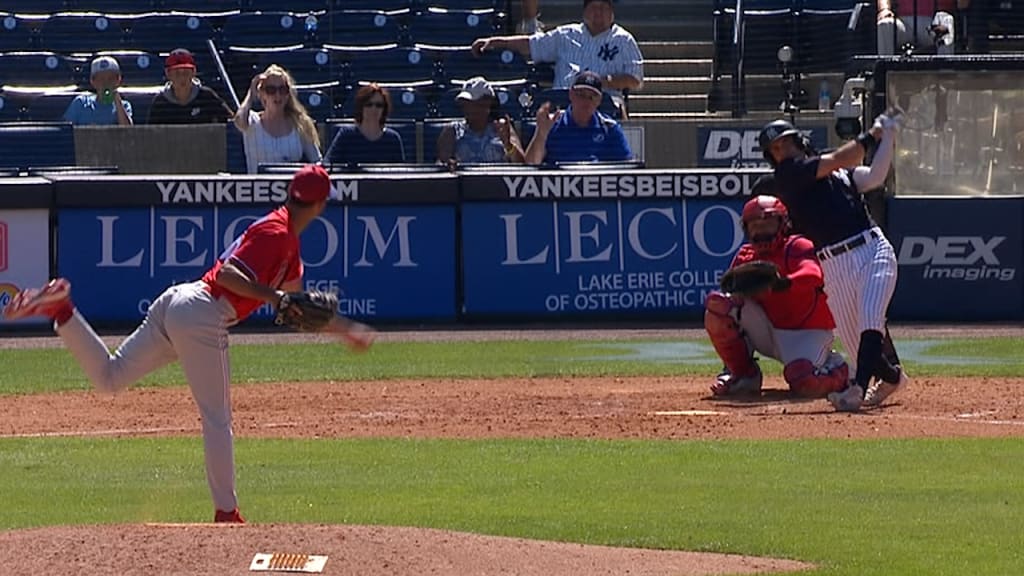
<point>573,50</point>
<point>858,261</point>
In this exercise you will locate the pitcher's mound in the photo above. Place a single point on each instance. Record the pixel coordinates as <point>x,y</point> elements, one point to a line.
<point>216,550</point>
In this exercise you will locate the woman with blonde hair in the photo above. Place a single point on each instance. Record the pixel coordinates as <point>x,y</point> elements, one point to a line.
<point>283,131</point>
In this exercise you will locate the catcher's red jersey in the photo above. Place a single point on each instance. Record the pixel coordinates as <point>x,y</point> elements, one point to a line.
<point>804,304</point>
<point>267,251</point>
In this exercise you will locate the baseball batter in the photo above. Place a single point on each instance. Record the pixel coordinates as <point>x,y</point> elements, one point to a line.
<point>824,196</point>
<point>788,320</point>
<point>189,323</point>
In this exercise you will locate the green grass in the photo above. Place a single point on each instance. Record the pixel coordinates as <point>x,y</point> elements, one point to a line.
<point>315,362</point>
<point>928,507</point>
<point>856,508</point>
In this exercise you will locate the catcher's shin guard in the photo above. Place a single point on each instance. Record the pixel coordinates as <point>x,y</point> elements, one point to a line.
<point>809,381</point>
<point>721,316</point>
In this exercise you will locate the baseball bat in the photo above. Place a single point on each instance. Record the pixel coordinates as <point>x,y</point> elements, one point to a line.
<point>223,71</point>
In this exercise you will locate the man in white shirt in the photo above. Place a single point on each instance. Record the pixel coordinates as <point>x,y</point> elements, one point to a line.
<point>597,44</point>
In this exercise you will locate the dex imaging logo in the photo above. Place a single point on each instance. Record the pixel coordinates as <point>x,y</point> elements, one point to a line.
<point>3,245</point>
<point>968,258</point>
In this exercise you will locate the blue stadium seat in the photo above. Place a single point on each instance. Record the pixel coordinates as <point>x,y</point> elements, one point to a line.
<point>138,68</point>
<point>49,106</point>
<point>27,144</point>
<point>431,130</point>
<point>361,28</point>
<point>409,103</point>
<point>318,103</point>
<point>35,6</point>
<point>384,65</point>
<point>197,6</point>
<point>493,65</point>
<point>266,29</point>
<point>161,33</point>
<point>17,33</point>
<point>35,69</point>
<point>111,6</point>
<point>306,65</point>
<point>11,109</point>
<point>448,107</point>
<point>465,4</point>
<point>70,33</point>
<point>141,100</point>
<point>301,6</point>
<point>452,27</point>
<point>384,5</point>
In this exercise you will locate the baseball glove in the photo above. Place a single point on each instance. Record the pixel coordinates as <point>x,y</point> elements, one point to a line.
<point>753,278</point>
<point>306,311</point>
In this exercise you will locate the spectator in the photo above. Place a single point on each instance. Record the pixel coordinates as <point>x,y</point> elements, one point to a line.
<point>597,44</point>
<point>482,136</point>
<point>369,140</point>
<point>184,100</point>
<point>580,133</point>
<point>283,131</point>
<point>922,23</point>
<point>105,105</point>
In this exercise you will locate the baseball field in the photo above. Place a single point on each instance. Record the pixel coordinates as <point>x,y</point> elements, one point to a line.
<point>531,453</point>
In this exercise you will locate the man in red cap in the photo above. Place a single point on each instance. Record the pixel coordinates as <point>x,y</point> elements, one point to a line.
<point>189,323</point>
<point>184,100</point>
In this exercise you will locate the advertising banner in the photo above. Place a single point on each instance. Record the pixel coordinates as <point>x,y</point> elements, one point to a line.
<point>959,258</point>
<point>24,255</point>
<point>119,259</point>
<point>737,146</point>
<point>596,258</point>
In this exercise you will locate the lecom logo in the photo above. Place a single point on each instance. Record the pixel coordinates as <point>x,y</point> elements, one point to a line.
<point>3,246</point>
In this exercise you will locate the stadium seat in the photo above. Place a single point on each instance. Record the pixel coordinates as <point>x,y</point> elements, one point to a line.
<point>29,144</point>
<point>452,27</point>
<point>505,65</point>
<point>35,69</point>
<point>268,29</point>
<point>306,65</point>
<point>161,33</point>
<point>765,31</point>
<point>298,6</point>
<point>448,107</point>
<point>111,6</point>
<point>197,6</point>
<point>464,4</point>
<point>382,5</point>
<point>138,68</point>
<point>11,109</point>
<point>35,6</point>
<point>431,130</point>
<point>409,103</point>
<point>49,106</point>
<point>318,103</point>
<point>361,28</point>
<point>17,33</point>
<point>389,64</point>
<point>70,33</point>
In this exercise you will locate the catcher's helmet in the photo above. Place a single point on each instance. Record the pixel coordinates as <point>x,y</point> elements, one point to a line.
<point>766,206</point>
<point>773,131</point>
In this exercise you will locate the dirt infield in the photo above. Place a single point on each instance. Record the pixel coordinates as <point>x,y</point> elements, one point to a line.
<point>649,408</point>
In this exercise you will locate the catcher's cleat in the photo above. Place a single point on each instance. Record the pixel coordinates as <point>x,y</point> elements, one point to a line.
<point>880,390</point>
<point>730,385</point>
<point>849,400</point>
<point>232,517</point>
<point>49,301</point>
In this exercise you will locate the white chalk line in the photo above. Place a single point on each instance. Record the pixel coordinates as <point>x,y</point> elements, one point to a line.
<point>127,431</point>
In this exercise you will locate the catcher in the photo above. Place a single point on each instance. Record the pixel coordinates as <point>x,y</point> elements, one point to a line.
<point>189,322</point>
<point>772,302</point>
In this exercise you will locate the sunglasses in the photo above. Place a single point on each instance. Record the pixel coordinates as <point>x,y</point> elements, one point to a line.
<point>380,105</point>
<point>271,89</point>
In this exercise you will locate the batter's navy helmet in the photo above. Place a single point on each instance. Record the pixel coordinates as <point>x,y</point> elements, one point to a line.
<point>773,131</point>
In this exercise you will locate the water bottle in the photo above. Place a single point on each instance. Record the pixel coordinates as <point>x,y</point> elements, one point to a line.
<point>106,96</point>
<point>824,97</point>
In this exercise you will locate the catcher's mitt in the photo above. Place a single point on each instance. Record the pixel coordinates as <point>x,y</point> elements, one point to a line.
<point>306,311</point>
<point>753,278</point>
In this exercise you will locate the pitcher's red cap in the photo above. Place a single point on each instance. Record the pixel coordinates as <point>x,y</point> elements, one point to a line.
<point>310,185</point>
